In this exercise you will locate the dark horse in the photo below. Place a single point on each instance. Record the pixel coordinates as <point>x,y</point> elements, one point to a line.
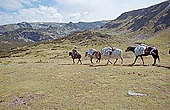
<point>75,56</point>
<point>148,51</point>
<point>96,54</point>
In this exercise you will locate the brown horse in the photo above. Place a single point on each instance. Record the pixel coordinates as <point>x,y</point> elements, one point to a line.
<point>149,50</point>
<point>96,54</point>
<point>75,56</point>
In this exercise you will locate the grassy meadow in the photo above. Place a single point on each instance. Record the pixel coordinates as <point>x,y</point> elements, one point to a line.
<point>43,77</point>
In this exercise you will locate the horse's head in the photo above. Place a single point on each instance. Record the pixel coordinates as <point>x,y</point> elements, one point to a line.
<point>70,54</point>
<point>102,51</point>
<point>130,48</point>
<point>86,53</point>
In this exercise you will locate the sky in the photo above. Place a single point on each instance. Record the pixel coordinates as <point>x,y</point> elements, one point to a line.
<point>15,11</point>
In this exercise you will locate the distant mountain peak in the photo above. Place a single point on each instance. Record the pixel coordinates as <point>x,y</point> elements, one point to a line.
<point>24,25</point>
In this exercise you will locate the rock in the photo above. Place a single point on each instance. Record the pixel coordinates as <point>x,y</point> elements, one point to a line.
<point>130,93</point>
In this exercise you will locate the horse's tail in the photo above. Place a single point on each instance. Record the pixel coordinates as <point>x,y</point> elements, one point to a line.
<point>158,58</point>
<point>155,53</point>
<point>100,55</point>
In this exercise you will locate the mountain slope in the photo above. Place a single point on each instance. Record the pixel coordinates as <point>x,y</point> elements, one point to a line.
<point>161,41</point>
<point>152,19</point>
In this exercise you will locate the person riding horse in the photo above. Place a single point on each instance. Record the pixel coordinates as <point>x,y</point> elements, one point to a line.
<point>75,55</point>
<point>74,51</point>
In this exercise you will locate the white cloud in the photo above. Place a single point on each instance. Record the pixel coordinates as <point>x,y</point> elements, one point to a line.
<point>94,9</point>
<point>15,4</point>
<point>40,14</point>
<point>66,10</point>
<point>43,13</point>
<point>74,17</point>
<point>101,9</point>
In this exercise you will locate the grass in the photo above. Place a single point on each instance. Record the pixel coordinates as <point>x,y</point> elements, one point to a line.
<point>33,80</point>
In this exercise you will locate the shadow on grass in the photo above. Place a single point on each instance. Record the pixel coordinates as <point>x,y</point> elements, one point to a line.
<point>94,65</point>
<point>162,66</point>
<point>126,65</point>
<point>86,64</point>
<point>130,65</point>
<point>69,64</point>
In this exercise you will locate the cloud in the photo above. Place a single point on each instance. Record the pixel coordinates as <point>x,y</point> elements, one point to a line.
<point>101,9</point>
<point>74,17</point>
<point>12,11</point>
<point>15,4</point>
<point>40,14</point>
<point>94,9</point>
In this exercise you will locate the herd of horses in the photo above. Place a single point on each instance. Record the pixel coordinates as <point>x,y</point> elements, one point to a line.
<point>115,53</point>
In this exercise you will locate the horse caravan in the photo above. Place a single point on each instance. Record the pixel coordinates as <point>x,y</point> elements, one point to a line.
<point>108,53</point>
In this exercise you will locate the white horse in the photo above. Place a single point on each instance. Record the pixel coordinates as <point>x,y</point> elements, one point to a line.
<point>115,53</point>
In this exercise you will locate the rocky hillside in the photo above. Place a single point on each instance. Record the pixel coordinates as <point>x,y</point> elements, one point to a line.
<point>152,19</point>
<point>36,32</point>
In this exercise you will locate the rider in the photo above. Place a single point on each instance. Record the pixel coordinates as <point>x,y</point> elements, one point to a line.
<point>74,51</point>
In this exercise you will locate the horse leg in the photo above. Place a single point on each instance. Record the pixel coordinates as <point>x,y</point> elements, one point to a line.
<point>135,60</point>
<point>73,61</point>
<point>154,57</point>
<point>115,61</point>
<point>78,61</point>
<point>142,59</point>
<point>108,61</point>
<point>91,60</point>
<point>97,60</point>
<point>121,59</point>
<point>154,61</point>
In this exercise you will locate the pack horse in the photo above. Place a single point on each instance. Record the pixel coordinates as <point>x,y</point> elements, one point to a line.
<point>144,50</point>
<point>93,53</point>
<point>110,52</point>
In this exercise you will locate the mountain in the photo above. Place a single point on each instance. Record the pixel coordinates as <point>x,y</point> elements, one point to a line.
<point>147,20</point>
<point>86,25</point>
<point>36,32</point>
